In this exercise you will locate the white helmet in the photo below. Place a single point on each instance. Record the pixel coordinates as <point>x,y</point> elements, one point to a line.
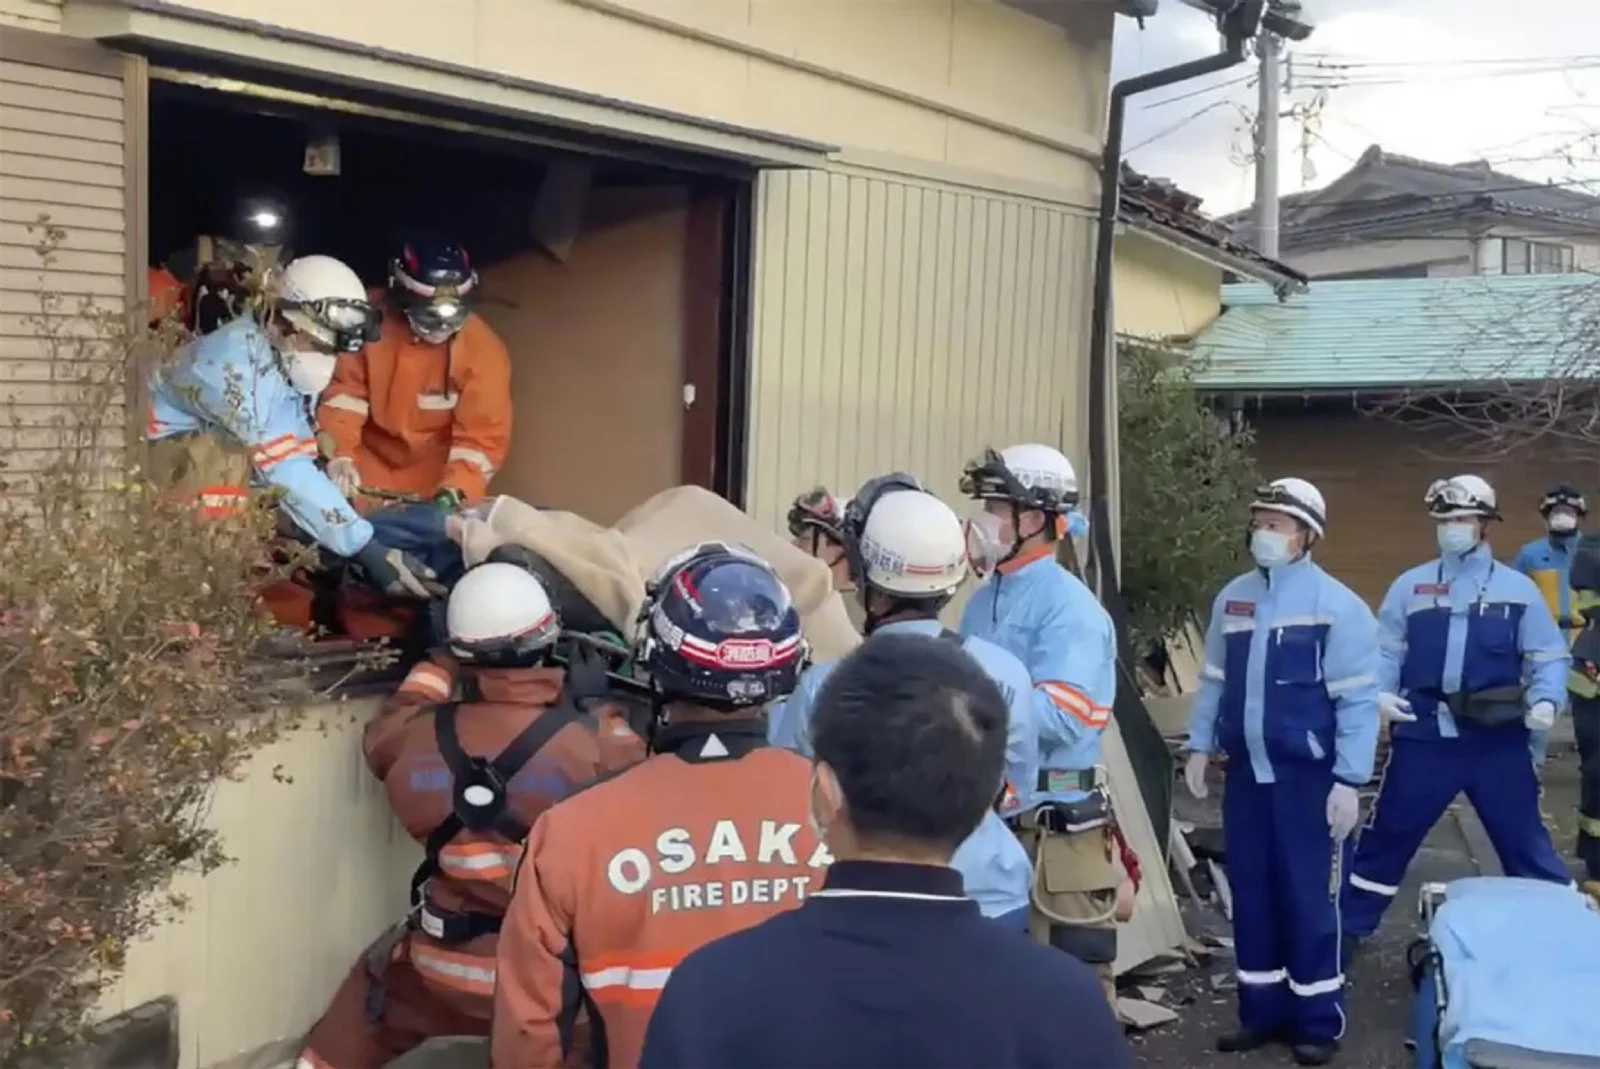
<point>324,299</point>
<point>1032,476</point>
<point>499,611</point>
<point>1294,497</point>
<point>1461,496</point>
<point>913,546</point>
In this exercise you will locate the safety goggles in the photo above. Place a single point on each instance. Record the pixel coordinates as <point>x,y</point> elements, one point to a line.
<point>1445,495</point>
<point>987,478</point>
<point>438,319</point>
<point>350,324</point>
<point>816,509</point>
<point>1575,502</point>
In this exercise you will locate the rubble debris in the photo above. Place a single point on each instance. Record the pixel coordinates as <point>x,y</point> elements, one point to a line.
<point>1141,1016</point>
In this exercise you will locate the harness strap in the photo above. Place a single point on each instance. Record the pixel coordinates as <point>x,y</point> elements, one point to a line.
<point>495,775</point>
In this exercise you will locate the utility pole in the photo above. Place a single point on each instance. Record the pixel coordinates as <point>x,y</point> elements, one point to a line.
<point>1269,47</point>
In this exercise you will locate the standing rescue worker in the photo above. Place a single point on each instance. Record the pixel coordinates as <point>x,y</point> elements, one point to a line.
<point>234,405</point>
<point>1583,690</point>
<point>814,526</point>
<point>226,271</point>
<point>1288,690</point>
<point>911,554</point>
<point>1052,623</point>
<point>1548,562</point>
<point>426,409</point>
<point>1471,662</point>
<point>467,777</point>
<point>708,836</point>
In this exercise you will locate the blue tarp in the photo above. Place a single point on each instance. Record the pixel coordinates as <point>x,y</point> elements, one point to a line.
<point>1521,963</point>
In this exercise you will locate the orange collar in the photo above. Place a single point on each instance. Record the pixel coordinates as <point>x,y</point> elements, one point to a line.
<point>1026,557</point>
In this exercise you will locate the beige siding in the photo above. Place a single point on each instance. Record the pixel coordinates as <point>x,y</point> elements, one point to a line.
<point>1160,291</point>
<point>31,14</point>
<point>906,325</point>
<point>61,163</point>
<point>319,869</point>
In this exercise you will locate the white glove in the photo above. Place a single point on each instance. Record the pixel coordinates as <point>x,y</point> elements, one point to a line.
<point>1392,708</point>
<point>1344,810</point>
<point>1541,716</point>
<point>346,477</point>
<point>1194,774</point>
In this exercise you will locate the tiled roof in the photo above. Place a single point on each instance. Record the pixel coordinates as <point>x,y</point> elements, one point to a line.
<point>1375,333</point>
<point>1159,203</point>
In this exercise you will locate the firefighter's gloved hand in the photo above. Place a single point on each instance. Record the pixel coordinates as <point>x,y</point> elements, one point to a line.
<point>346,479</point>
<point>1194,774</point>
<point>586,674</point>
<point>1394,709</point>
<point>397,573</point>
<point>1541,716</point>
<point>1344,811</point>
<point>448,499</point>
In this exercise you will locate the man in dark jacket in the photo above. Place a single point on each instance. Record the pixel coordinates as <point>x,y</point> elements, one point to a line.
<point>889,964</point>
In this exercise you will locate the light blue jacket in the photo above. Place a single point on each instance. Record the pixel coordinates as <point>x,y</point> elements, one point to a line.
<point>1053,624</point>
<point>1289,680</point>
<point>1461,624</point>
<point>230,381</point>
<point>992,863</point>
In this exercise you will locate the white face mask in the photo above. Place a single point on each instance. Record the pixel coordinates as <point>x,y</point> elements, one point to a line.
<point>1270,548</point>
<point>985,542</point>
<point>1562,522</point>
<point>309,372</point>
<point>1457,537</point>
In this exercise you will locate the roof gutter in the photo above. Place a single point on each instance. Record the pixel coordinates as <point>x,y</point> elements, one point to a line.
<point>1283,282</point>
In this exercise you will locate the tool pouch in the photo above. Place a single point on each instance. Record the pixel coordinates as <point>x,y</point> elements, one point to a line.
<point>1489,708</point>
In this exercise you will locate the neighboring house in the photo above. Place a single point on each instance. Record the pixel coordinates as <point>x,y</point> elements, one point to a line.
<point>1393,216</point>
<point>1172,259</point>
<point>1343,385</point>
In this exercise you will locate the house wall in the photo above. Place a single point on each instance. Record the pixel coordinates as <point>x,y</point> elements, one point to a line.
<point>31,14</point>
<point>1373,473</point>
<point>1450,252</point>
<point>1161,292</point>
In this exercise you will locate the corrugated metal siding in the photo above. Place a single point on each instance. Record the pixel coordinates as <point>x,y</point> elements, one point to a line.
<point>907,325</point>
<point>61,159</point>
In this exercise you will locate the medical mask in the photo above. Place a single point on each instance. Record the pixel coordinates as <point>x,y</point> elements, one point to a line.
<point>986,545</point>
<point>1270,548</point>
<point>1457,537</point>
<point>1562,523</point>
<point>309,372</point>
<point>1077,525</point>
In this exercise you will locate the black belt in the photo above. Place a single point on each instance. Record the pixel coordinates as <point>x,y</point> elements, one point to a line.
<point>1059,780</point>
<point>449,927</point>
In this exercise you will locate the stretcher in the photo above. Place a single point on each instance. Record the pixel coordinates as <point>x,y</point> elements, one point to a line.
<point>1507,976</point>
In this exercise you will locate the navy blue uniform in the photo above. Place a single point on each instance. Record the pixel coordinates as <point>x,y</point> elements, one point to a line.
<point>888,965</point>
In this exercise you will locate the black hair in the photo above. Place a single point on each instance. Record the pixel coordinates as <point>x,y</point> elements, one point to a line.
<point>898,606</point>
<point>915,730</point>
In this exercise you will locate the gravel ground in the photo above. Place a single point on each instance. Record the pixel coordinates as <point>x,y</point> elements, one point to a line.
<point>1379,1004</point>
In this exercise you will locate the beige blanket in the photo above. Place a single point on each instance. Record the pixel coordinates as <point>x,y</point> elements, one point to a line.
<point>610,565</point>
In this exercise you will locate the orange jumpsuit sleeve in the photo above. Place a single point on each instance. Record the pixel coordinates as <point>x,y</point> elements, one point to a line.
<point>428,683</point>
<point>481,432</point>
<point>537,990</point>
<point>345,405</point>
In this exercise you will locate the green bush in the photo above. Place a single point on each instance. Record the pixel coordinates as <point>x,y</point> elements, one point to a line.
<point>1186,486</point>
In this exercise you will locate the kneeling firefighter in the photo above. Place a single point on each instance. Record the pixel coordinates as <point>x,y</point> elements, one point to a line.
<point>708,836</point>
<point>467,777</point>
<point>909,554</point>
<point>1052,622</point>
<point>1289,691</point>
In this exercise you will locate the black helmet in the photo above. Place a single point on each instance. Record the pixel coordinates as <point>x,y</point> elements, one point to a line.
<point>432,283</point>
<point>858,508</point>
<point>1563,494</point>
<point>718,628</point>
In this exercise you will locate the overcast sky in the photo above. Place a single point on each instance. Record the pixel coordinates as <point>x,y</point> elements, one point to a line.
<point>1516,83</point>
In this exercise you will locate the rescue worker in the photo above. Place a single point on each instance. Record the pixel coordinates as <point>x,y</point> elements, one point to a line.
<point>706,837</point>
<point>426,409</point>
<point>1583,690</point>
<point>889,964</point>
<point>226,271</point>
<point>1471,661</point>
<point>1288,691</point>
<point>233,405</point>
<point>1548,562</point>
<point>813,522</point>
<point>467,777</point>
<point>1047,618</point>
<point>912,555</point>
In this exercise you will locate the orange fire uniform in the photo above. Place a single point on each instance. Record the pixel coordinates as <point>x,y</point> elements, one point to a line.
<point>435,975</point>
<point>622,882</point>
<point>419,418</point>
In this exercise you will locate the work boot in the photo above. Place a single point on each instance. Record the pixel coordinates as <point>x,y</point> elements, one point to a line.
<point>1245,1040</point>
<point>1314,1053</point>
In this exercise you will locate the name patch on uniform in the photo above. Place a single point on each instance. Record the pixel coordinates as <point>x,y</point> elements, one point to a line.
<point>1431,590</point>
<point>1239,608</point>
<point>677,853</point>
